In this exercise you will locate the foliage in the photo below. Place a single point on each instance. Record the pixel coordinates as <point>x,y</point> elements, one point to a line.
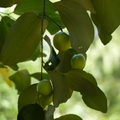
<point>21,39</point>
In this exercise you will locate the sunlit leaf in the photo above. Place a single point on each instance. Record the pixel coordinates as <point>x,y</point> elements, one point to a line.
<point>4,71</point>
<point>60,86</point>
<point>97,102</point>
<point>78,23</point>
<point>107,18</point>
<point>28,96</point>
<point>9,3</point>
<point>69,117</point>
<point>21,80</point>
<point>79,81</point>
<point>31,112</point>
<point>23,38</point>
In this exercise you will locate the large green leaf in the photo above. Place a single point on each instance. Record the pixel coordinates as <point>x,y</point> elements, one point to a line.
<point>21,80</point>
<point>37,7</point>
<point>31,112</point>
<point>69,117</point>
<point>28,96</point>
<point>60,86</point>
<point>107,18</point>
<point>78,23</point>
<point>23,38</point>
<point>82,82</point>
<point>98,102</point>
<point>9,3</point>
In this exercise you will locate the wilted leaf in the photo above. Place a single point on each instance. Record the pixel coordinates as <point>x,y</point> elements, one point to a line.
<point>80,81</point>
<point>31,112</point>
<point>4,71</point>
<point>53,60</point>
<point>97,102</point>
<point>107,18</point>
<point>69,117</point>
<point>78,23</point>
<point>60,86</point>
<point>9,3</point>
<point>28,96</point>
<point>23,38</point>
<point>21,80</point>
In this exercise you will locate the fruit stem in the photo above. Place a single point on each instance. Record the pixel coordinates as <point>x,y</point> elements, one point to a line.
<point>59,26</point>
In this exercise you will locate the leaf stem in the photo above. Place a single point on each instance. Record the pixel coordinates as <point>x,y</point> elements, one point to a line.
<point>59,26</point>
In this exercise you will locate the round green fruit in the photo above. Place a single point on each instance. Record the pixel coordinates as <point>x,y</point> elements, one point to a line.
<point>44,87</point>
<point>78,61</point>
<point>61,41</point>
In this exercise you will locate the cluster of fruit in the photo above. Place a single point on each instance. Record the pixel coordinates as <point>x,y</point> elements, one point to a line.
<point>62,42</point>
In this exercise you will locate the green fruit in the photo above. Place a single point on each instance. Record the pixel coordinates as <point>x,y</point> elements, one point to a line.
<point>44,87</point>
<point>78,61</point>
<point>46,100</point>
<point>61,41</point>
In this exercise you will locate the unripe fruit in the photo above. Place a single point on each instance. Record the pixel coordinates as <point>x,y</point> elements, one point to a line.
<point>61,41</point>
<point>78,61</point>
<point>44,87</point>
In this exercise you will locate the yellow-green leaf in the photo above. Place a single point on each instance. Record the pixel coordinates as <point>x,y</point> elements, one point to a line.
<point>5,74</point>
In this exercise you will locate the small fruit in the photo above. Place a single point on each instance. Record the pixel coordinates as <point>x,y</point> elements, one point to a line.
<point>61,41</point>
<point>78,61</point>
<point>44,87</point>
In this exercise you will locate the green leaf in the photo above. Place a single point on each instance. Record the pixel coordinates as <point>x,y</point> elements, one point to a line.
<point>69,117</point>
<point>98,102</point>
<point>78,23</point>
<point>23,38</point>
<point>107,18</point>
<point>21,80</point>
<point>9,3</point>
<point>87,4</point>
<point>82,82</point>
<point>37,7</point>
<point>37,75</point>
<point>28,96</point>
<point>31,112</point>
<point>5,25</point>
<point>60,86</point>
<point>65,63</point>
